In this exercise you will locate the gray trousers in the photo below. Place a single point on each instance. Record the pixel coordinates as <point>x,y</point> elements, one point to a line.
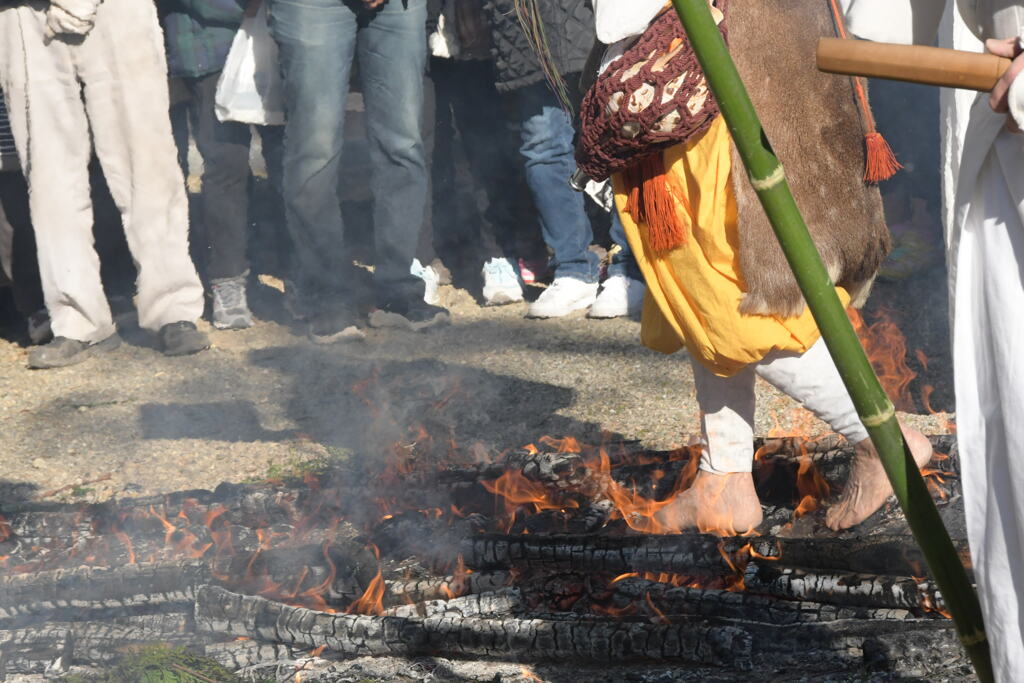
<point>108,90</point>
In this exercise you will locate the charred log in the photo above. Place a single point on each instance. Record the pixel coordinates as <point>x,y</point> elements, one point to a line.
<point>694,553</point>
<point>497,603</point>
<point>614,554</point>
<point>421,590</point>
<point>673,602</point>
<point>101,587</point>
<point>35,650</point>
<point>862,590</point>
<point>221,612</point>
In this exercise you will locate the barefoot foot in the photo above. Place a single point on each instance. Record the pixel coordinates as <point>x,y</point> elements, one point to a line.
<point>718,503</point>
<point>868,486</point>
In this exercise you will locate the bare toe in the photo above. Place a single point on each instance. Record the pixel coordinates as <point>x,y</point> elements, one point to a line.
<point>868,486</point>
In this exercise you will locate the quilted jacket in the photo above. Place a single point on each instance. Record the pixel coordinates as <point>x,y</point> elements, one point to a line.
<point>568,25</point>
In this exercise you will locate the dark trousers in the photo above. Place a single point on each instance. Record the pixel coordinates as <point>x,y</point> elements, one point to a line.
<point>470,110</point>
<point>224,146</point>
<point>26,287</point>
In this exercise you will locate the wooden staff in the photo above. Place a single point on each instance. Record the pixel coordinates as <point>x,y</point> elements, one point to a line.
<point>911,63</point>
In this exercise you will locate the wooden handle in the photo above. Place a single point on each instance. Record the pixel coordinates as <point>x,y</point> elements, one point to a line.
<point>911,63</point>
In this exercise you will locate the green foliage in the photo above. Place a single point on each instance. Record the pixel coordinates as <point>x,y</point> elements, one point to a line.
<point>161,664</point>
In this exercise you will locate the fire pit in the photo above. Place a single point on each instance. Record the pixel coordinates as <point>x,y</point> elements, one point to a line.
<point>544,562</point>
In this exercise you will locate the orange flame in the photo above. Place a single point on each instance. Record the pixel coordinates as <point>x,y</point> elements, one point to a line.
<point>886,348</point>
<point>372,600</point>
<point>810,484</point>
<point>564,445</point>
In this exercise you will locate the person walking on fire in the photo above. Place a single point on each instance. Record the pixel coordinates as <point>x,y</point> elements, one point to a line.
<point>718,284</point>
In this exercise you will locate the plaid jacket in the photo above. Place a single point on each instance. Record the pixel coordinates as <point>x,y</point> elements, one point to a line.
<point>8,155</point>
<point>199,33</point>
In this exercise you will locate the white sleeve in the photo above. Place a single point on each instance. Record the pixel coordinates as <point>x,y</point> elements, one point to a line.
<point>895,21</point>
<point>621,19</point>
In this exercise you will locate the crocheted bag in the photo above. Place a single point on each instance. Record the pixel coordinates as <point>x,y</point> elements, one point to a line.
<point>653,97</point>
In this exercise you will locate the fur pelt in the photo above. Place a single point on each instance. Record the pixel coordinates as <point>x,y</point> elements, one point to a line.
<point>814,125</point>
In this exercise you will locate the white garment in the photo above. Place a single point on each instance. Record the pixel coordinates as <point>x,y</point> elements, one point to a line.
<point>984,189</point>
<point>727,404</point>
<point>107,90</point>
<point>620,19</point>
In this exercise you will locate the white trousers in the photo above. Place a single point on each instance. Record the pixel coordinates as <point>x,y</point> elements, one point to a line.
<point>727,404</point>
<point>108,90</point>
<point>988,347</point>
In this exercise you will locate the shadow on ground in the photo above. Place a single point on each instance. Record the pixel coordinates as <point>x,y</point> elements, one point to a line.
<point>372,406</point>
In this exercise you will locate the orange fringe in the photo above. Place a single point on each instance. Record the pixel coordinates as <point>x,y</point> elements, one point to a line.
<point>881,162</point>
<point>650,203</point>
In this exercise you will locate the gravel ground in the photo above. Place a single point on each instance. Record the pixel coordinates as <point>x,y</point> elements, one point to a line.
<point>267,397</point>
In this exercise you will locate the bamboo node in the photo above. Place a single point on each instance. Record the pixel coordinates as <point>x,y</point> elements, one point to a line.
<point>777,176</point>
<point>872,421</point>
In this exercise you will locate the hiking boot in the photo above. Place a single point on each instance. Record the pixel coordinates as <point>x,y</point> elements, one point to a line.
<point>620,296</point>
<point>412,315</point>
<point>338,325</point>
<point>182,338</point>
<point>565,295</point>
<point>501,284</point>
<point>62,352</point>
<point>230,307</point>
<point>39,329</point>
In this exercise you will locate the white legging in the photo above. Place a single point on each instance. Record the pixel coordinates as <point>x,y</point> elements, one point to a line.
<point>727,404</point>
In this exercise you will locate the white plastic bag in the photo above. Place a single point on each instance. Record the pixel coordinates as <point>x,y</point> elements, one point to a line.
<point>250,89</point>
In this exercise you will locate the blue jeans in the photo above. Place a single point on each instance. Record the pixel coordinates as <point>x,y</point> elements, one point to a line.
<point>547,135</point>
<point>623,262</point>
<point>318,41</point>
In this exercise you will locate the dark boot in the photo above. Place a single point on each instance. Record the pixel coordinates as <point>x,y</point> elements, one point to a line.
<point>63,351</point>
<point>182,339</point>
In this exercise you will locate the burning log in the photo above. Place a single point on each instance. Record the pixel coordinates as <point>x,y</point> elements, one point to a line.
<point>673,602</point>
<point>682,554</point>
<point>421,590</point>
<point>693,553</point>
<point>894,555</point>
<point>101,587</point>
<point>221,612</point>
<point>862,590</point>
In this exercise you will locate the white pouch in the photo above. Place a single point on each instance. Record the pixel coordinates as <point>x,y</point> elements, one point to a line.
<point>250,88</point>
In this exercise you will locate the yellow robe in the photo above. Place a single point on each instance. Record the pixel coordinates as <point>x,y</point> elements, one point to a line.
<point>694,291</point>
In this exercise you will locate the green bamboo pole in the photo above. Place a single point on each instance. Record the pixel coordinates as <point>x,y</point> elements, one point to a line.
<point>875,409</point>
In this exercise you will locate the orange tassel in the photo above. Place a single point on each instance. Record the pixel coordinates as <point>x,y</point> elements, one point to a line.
<point>881,162</point>
<point>650,202</point>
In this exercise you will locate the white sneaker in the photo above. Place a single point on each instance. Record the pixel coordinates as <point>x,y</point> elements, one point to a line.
<point>565,295</point>
<point>620,296</point>
<point>501,286</point>
<point>430,278</point>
